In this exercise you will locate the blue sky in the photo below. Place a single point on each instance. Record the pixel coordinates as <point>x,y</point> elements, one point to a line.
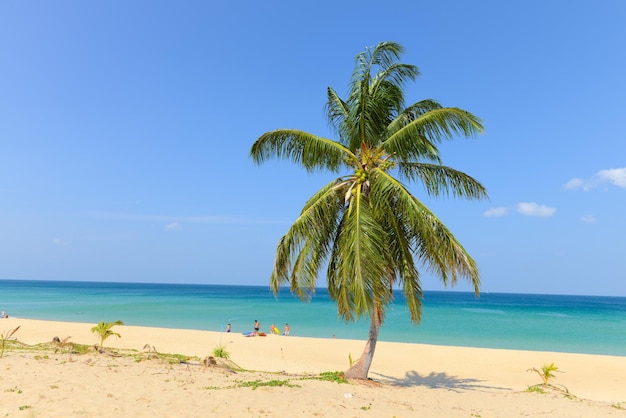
<point>125,129</point>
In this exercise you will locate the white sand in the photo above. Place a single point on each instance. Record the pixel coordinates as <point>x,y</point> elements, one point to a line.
<point>411,379</point>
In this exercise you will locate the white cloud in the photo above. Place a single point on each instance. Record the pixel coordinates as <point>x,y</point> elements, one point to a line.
<point>614,176</point>
<point>496,212</point>
<point>588,219</point>
<point>533,209</point>
<point>524,208</point>
<point>174,226</point>
<point>574,184</point>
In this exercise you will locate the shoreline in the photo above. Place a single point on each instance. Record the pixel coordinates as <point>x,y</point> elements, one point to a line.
<point>588,376</point>
<point>90,324</point>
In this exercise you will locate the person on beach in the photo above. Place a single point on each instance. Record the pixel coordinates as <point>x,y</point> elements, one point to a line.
<point>227,327</point>
<point>4,315</point>
<point>287,329</point>
<point>274,330</point>
<point>257,327</point>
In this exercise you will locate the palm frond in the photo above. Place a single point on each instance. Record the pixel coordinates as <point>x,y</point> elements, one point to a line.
<point>439,179</point>
<point>301,251</point>
<point>411,113</point>
<point>338,115</point>
<point>435,246</point>
<point>399,244</point>
<point>359,263</point>
<point>308,150</point>
<point>396,74</point>
<point>416,138</point>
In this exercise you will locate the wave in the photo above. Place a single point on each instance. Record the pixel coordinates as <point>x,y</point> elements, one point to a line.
<point>553,314</point>
<point>484,310</point>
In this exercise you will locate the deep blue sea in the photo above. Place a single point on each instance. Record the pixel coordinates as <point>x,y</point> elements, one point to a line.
<point>578,324</point>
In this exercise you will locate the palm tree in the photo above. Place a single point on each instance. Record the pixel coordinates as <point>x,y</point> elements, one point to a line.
<point>366,227</point>
<point>103,330</point>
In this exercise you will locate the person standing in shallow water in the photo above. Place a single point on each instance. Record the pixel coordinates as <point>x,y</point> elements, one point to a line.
<point>257,327</point>
<point>287,329</point>
<point>228,328</point>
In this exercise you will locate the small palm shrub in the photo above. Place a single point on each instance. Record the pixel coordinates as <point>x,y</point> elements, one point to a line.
<point>103,330</point>
<point>545,373</point>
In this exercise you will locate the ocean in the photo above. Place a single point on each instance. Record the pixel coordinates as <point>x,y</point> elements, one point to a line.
<point>576,324</point>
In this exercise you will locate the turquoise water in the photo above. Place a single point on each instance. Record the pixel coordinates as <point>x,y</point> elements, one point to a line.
<point>579,324</point>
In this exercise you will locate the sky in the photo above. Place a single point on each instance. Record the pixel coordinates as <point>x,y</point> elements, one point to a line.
<point>125,131</point>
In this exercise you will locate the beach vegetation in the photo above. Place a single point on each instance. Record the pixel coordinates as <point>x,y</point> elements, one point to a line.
<point>104,331</point>
<point>338,377</point>
<point>536,389</point>
<point>14,389</point>
<point>176,358</point>
<point>80,348</point>
<point>254,384</point>
<point>172,358</point>
<point>221,352</point>
<point>366,228</point>
<point>4,337</point>
<point>545,373</point>
<point>150,352</point>
<point>62,344</point>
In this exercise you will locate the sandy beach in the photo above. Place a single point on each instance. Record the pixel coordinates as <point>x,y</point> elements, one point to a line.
<point>278,378</point>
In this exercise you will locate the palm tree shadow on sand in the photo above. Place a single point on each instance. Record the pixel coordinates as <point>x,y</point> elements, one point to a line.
<point>435,381</point>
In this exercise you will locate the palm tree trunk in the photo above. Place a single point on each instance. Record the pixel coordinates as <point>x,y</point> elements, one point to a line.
<point>360,369</point>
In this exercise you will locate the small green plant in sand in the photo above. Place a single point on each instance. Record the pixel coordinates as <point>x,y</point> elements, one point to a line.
<point>536,389</point>
<point>338,377</point>
<point>79,348</point>
<point>221,352</point>
<point>103,330</point>
<point>545,373</point>
<point>175,358</point>
<point>259,383</point>
<point>4,337</point>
